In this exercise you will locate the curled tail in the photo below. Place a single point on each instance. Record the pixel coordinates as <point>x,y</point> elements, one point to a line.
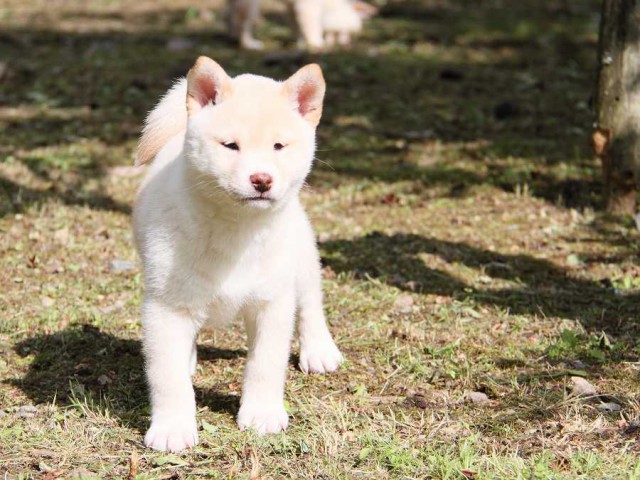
<point>167,119</point>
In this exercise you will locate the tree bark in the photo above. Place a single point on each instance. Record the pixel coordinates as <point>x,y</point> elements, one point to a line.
<point>616,137</point>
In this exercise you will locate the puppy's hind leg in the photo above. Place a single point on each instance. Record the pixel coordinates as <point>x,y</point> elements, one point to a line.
<point>308,15</point>
<point>344,39</point>
<point>330,38</point>
<point>168,345</point>
<point>242,18</point>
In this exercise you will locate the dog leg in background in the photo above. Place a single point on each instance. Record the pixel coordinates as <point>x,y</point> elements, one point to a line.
<point>308,15</point>
<point>318,351</point>
<point>340,20</point>
<point>330,39</point>
<point>242,18</point>
<point>344,38</point>
<point>269,331</point>
<point>168,345</point>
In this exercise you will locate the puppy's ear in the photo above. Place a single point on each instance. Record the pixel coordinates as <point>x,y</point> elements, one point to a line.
<point>206,82</point>
<point>305,89</point>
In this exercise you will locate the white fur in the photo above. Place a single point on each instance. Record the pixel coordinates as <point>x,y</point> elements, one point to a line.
<point>210,257</point>
<point>320,22</point>
<point>340,20</point>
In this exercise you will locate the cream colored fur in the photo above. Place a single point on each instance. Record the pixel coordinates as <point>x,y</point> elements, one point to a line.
<point>321,23</point>
<point>340,20</point>
<point>218,242</point>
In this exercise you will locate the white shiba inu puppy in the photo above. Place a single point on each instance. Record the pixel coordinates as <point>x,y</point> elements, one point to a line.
<point>222,235</point>
<point>321,23</point>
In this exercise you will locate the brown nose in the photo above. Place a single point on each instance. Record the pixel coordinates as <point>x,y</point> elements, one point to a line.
<point>261,181</point>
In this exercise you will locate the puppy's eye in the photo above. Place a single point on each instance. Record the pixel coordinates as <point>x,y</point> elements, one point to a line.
<point>231,146</point>
<point>278,146</point>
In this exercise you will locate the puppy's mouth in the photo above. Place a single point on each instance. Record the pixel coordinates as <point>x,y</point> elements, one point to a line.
<point>258,199</point>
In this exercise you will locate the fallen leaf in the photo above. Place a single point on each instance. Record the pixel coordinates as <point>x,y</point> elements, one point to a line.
<point>364,453</point>
<point>324,237</point>
<point>328,273</point>
<point>631,428</point>
<point>349,436</point>
<point>32,261</point>
<point>134,460</point>
<point>600,141</point>
<point>419,400</point>
<point>119,305</point>
<point>61,236</point>
<point>47,301</point>
<point>207,427</point>
<point>404,303</point>
<point>55,267</point>
<point>573,260</point>
<point>122,265</point>
<point>478,397</point>
<point>609,407</point>
<point>582,387</point>
<point>413,286</point>
<point>41,452</point>
<point>390,199</point>
<point>26,411</point>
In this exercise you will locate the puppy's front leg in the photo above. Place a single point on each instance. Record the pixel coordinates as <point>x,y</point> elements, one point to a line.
<point>169,343</point>
<point>269,331</point>
<point>318,351</point>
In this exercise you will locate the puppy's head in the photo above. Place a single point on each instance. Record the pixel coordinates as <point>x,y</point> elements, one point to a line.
<point>251,139</point>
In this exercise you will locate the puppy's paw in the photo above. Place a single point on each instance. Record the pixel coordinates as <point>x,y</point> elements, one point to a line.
<point>172,434</point>
<point>263,417</point>
<point>250,43</point>
<point>320,356</point>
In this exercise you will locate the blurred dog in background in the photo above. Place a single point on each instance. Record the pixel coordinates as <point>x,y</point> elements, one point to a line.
<point>320,23</point>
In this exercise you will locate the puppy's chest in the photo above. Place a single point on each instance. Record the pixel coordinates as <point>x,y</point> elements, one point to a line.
<point>257,272</point>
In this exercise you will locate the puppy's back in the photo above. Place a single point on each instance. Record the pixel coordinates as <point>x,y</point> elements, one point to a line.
<point>166,120</point>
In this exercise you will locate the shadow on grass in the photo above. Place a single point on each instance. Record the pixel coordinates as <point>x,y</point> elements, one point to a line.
<point>542,288</point>
<point>83,363</point>
<point>120,74</point>
<point>15,198</point>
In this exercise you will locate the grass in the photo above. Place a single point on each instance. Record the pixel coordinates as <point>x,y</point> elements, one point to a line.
<point>457,207</point>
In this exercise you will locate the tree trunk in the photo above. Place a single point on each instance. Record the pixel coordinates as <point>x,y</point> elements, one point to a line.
<point>616,138</point>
